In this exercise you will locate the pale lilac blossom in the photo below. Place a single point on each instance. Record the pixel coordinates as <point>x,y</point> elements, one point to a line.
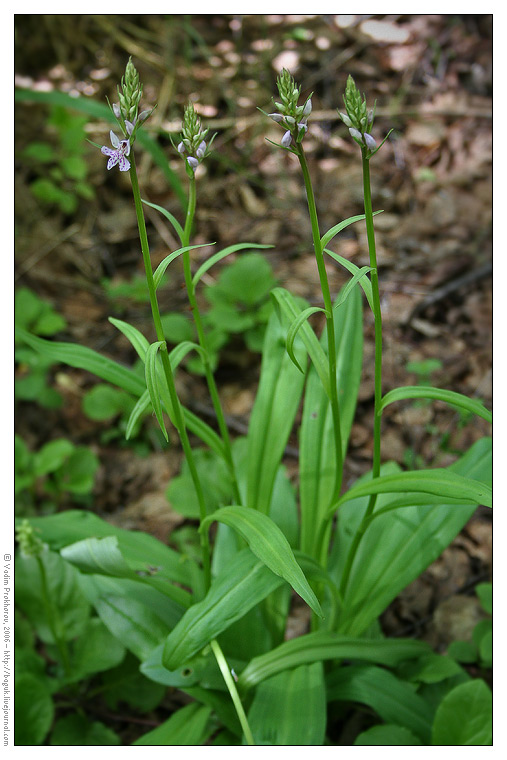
<point>370,141</point>
<point>287,139</point>
<point>119,154</point>
<point>193,162</point>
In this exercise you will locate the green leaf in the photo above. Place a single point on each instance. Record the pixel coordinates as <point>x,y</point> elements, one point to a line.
<point>34,710</point>
<point>288,308</point>
<point>345,291</point>
<point>221,255</point>
<point>215,480</point>
<point>70,609</point>
<point>267,542</point>
<point>102,402</point>
<point>440,482</point>
<point>98,555</point>
<point>317,457</point>
<point>74,167</point>
<point>138,628</point>
<point>172,219</point>
<point>243,583</point>
<point>137,339</point>
<point>152,383</point>
<point>272,417</point>
<point>364,282</point>
<point>141,407</point>
<point>392,699</point>
<point>293,330</point>
<point>463,651</point>
<point>247,281</point>
<point>411,539</point>
<point>160,270</point>
<point>95,651</point>
<point>126,684</point>
<point>290,708</point>
<point>187,726</point>
<point>77,474</point>
<point>331,233</point>
<point>76,730</point>
<point>322,645</point>
<point>485,593</point>
<point>141,551</point>
<point>440,394</point>
<point>431,668</point>
<point>177,327</point>
<point>51,456</point>
<point>85,358</point>
<point>387,735</point>
<point>464,717</point>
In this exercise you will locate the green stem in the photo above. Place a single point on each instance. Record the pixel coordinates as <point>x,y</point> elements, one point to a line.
<point>203,341</point>
<point>179,421</point>
<point>53,618</point>
<point>331,343</point>
<point>229,681</point>
<point>370,233</point>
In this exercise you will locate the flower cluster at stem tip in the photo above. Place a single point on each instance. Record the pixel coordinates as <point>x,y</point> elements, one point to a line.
<point>292,117</point>
<point>30,544</point>
<point>358,118</point>
<point>193,147</point>
<point>126,113</point>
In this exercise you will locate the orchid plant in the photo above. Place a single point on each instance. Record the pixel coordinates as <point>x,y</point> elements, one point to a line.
<point>217,627</point>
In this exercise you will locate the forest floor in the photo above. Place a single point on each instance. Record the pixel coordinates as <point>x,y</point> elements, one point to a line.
<point>432,80</point>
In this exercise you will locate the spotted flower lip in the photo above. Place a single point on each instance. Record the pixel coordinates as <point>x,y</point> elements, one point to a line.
<point>119,154</point>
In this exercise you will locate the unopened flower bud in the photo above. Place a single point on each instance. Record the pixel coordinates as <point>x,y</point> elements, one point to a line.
<point>193,162</point>
<point>356,133</point>
<point>181,147</point>
<point>308,108</point>
<point>345,119</point>
<point>290,121</point>
<point>286,139</point>
<point>370,141</point>
<point>370,116</point>
<point>276,117</point>
<point>129,127</point>
<point>116,110</point>
<point>201,150</point>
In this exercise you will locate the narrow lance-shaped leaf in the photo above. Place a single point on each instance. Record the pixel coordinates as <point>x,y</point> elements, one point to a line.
<point>439,481</point>
<point>136,338</point>
<point>348,287</point>
<point>85,358</point>
<point>331,233</point>
<point>293,330</point>
<point>322,645</point>
<point>152,383</point>
<point>267,542</point>
<point>245,582</point>
<point>286,305</point>
<point>221,255</point>
<point>439,394</point>
<point>353,269</point>
<point>142,405</point>
<point>172,219</point>
<point>160,270</point>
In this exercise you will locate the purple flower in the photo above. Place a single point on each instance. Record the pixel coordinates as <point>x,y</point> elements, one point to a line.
<point>193,162</point>
<point>117,156</point>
